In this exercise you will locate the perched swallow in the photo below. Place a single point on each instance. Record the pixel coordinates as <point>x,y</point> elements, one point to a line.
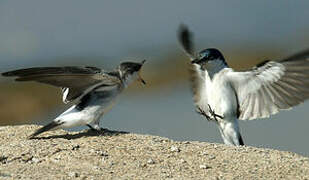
<point>90,89</point>
<point>223,95</point>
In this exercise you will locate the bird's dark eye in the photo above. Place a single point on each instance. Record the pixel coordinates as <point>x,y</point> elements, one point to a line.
<point>203,56</point>
<point>211,57</point>
<point>131,71</point>
<point>210,54</point>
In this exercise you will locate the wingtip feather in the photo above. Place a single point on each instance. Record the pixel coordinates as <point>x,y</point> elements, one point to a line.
<point>9,73</point>
<point>185,38</point>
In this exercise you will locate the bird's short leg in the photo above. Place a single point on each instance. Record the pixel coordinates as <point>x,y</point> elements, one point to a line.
<point>96,124</point>
<point>95,127</point>
<point>214,115</point>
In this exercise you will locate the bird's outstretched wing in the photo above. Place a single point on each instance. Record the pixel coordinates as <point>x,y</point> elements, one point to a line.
<point>272,86</point>
<point>74,81</point>
<point>197,76</point>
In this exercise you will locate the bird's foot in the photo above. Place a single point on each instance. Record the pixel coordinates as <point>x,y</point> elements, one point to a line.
<point>203,113</point>
<point>95,127</point>
<point>213,114</point>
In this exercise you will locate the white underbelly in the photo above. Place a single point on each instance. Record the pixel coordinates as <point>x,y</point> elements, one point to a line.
<point>73,117</point>
<point>222,99</point>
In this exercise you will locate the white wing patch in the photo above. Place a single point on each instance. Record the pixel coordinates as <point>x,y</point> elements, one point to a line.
<point>65,92</point>
<point>271,87</point>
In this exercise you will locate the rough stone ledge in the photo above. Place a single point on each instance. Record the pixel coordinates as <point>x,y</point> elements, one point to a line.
<point>119,155</point>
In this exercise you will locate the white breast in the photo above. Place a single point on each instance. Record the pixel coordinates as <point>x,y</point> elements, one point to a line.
<point>221,96</point>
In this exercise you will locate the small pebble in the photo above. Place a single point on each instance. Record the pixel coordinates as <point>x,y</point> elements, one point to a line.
<point>76,147</point>
<point>73,174</point>
<point>211,157</point>
<point>102,153</point>
<point>104,159</point>
<point>182,161</point>
<point>35,160</point>
<point>157,140</point>
<point>175,149</point>
<point>96,168</point>
<point>203,166</point>
<point>150,161</point>
<point>204,153</point>
<point>111,164</point>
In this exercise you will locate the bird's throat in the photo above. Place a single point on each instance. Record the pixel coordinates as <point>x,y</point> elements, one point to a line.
<point>214,67</point>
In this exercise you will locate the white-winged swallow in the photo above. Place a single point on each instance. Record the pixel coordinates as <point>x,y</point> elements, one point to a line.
<point>225,96</point>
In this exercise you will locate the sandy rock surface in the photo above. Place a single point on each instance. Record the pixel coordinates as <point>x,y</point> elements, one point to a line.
<point>117,155</point>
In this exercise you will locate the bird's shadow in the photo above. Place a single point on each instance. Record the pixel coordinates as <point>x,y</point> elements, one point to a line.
<point>87,133</point>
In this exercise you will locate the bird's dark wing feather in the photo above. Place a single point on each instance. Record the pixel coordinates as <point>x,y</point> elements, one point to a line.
<point>52,70</point>
<point>272,86</point>
<point>198,86</point>
<point>74,81</point>
<point>197,76</point>
<point>185,38</point>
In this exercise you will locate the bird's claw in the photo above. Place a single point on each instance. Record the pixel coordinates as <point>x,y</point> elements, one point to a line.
<point>213,114</point>
<point>95,128</point>
<point>203,113</point>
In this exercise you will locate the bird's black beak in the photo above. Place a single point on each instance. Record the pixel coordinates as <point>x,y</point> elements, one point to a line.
<point>144,82</point>
<point>140,78</point>
<point>196,61</point>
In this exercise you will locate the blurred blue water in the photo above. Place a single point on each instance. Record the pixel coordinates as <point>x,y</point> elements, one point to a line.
<point>36,32</point>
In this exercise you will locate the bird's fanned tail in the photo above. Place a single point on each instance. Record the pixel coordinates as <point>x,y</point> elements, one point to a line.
<point>230,133</point>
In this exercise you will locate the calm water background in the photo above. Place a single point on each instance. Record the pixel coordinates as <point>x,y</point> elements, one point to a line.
<point>35,32</point>
<point>39,33</point>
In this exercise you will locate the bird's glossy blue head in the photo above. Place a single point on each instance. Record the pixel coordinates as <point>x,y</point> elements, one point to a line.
<point>207,55</point>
